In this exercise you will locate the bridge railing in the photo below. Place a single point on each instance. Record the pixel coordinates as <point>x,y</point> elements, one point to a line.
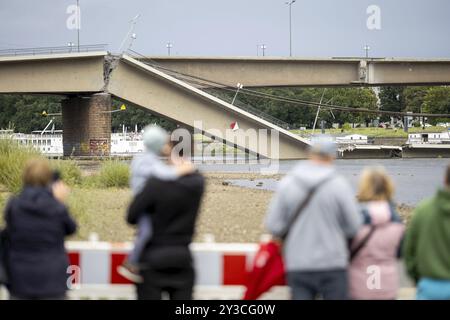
<point>53,50</point>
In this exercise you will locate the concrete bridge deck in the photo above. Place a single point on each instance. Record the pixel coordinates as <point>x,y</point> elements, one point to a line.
<point>85,74</point>
<point>80,75</point>
<point>281,71</point>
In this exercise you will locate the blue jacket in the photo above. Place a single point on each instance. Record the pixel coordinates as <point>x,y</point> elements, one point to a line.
<point>37,261</point>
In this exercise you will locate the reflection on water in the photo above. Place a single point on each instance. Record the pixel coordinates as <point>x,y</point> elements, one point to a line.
<point>415,179</point>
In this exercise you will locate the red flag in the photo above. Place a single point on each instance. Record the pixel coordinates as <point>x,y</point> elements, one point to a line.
<point>234,126</point>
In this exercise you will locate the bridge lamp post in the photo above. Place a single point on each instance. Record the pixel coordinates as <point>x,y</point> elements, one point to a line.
<point>53,115</point>
<point>290,3</point>
<point>169,46</point>
<point>123,107</point>
<point>263,48</point>
<point>130,33</point>
<point>133,37</point>
<point>45,114</point>
<point>78,23</point>
<point>367,48</point>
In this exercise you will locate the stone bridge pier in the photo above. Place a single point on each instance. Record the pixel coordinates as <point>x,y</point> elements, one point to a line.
<point>87,125</point>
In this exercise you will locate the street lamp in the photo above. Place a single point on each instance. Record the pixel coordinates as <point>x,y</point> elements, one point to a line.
<point>367,48</point>
<point>78,23</point>
<point>169,46</point>
<point>290,3</point>
<point>263,48</point>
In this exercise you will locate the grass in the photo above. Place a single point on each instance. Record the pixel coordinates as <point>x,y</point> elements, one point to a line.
<point>113,174</point>
<point>98,202</point>
<point>376,132</point>
<point>13,157</point>
<point>70,172</point>
<point>3,198</point>
<point>12,161</point>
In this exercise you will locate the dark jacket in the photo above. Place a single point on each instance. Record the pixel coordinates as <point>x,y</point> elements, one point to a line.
<point>37,261</point>
<point>173,206</point>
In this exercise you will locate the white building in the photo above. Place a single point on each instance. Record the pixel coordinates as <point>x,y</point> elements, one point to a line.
<point>429,138</point>
<point>352,139</point>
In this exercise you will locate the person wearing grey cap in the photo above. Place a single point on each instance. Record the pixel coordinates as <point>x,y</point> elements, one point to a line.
<point>144,166</point>
<point>316,246</point>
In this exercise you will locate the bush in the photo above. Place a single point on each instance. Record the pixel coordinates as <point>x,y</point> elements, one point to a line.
<point>113,173</point>
<point>346,126</point>
<point>70,172</point>
<point>13,158</point>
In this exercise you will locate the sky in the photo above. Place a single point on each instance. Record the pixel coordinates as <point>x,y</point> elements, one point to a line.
<point>320,28</point>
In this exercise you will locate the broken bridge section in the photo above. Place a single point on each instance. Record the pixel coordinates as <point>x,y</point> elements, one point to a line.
<point>166,96</point>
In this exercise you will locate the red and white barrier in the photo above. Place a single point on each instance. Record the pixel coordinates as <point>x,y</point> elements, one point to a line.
<point>216,264</point>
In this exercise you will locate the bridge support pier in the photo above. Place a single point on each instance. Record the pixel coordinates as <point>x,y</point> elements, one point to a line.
<point>87,125</point>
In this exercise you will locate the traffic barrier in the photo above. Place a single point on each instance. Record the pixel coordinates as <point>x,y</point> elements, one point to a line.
<point>216,264</point>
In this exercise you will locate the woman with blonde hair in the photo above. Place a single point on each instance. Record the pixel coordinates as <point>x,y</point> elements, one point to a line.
<point>373,270</point>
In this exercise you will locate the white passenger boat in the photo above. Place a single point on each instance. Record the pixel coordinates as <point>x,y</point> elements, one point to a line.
<point>50,143</point>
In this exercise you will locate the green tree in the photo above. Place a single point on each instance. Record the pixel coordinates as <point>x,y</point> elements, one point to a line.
<point>24,112</point>
<point>414,97</point>
<point>437,100</point>
<point>136,116</point>
<point>298,114</point>
<point>391,99</point>
<point>355,98</point>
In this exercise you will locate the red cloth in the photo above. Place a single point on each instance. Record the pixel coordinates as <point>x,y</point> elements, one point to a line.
<point>267,270</point>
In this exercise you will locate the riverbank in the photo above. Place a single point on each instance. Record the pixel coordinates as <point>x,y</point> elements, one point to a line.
<point>228,213</point>
<point>376,132</point>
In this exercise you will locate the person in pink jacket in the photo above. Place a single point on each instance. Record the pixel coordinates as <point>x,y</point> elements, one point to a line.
<point>373,272</point>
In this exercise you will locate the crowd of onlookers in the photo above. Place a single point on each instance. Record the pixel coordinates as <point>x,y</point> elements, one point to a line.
<point>339,247</point>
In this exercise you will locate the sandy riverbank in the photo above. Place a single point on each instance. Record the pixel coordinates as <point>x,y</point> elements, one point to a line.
<point>236,214</point>
<point>228,213</point>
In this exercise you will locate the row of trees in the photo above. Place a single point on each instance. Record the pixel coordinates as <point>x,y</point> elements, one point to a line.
<point>302,114</point>
<point>23,113</point>
<point>417,100</point>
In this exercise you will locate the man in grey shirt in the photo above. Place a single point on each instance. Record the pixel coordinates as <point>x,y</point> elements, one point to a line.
<point>315,249</point>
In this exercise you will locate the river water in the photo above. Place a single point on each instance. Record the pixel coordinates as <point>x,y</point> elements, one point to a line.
<point>415,179</point>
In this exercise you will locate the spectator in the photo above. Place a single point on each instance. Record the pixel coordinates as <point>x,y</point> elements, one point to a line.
<point>316,248</point>
<point>427,245</point>
<point>37,222</point>
<point>374,270</point>
<point>166,262</point>
<point>144,166</point>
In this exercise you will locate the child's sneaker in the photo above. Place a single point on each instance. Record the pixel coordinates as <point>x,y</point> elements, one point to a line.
<point>130,272</point>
